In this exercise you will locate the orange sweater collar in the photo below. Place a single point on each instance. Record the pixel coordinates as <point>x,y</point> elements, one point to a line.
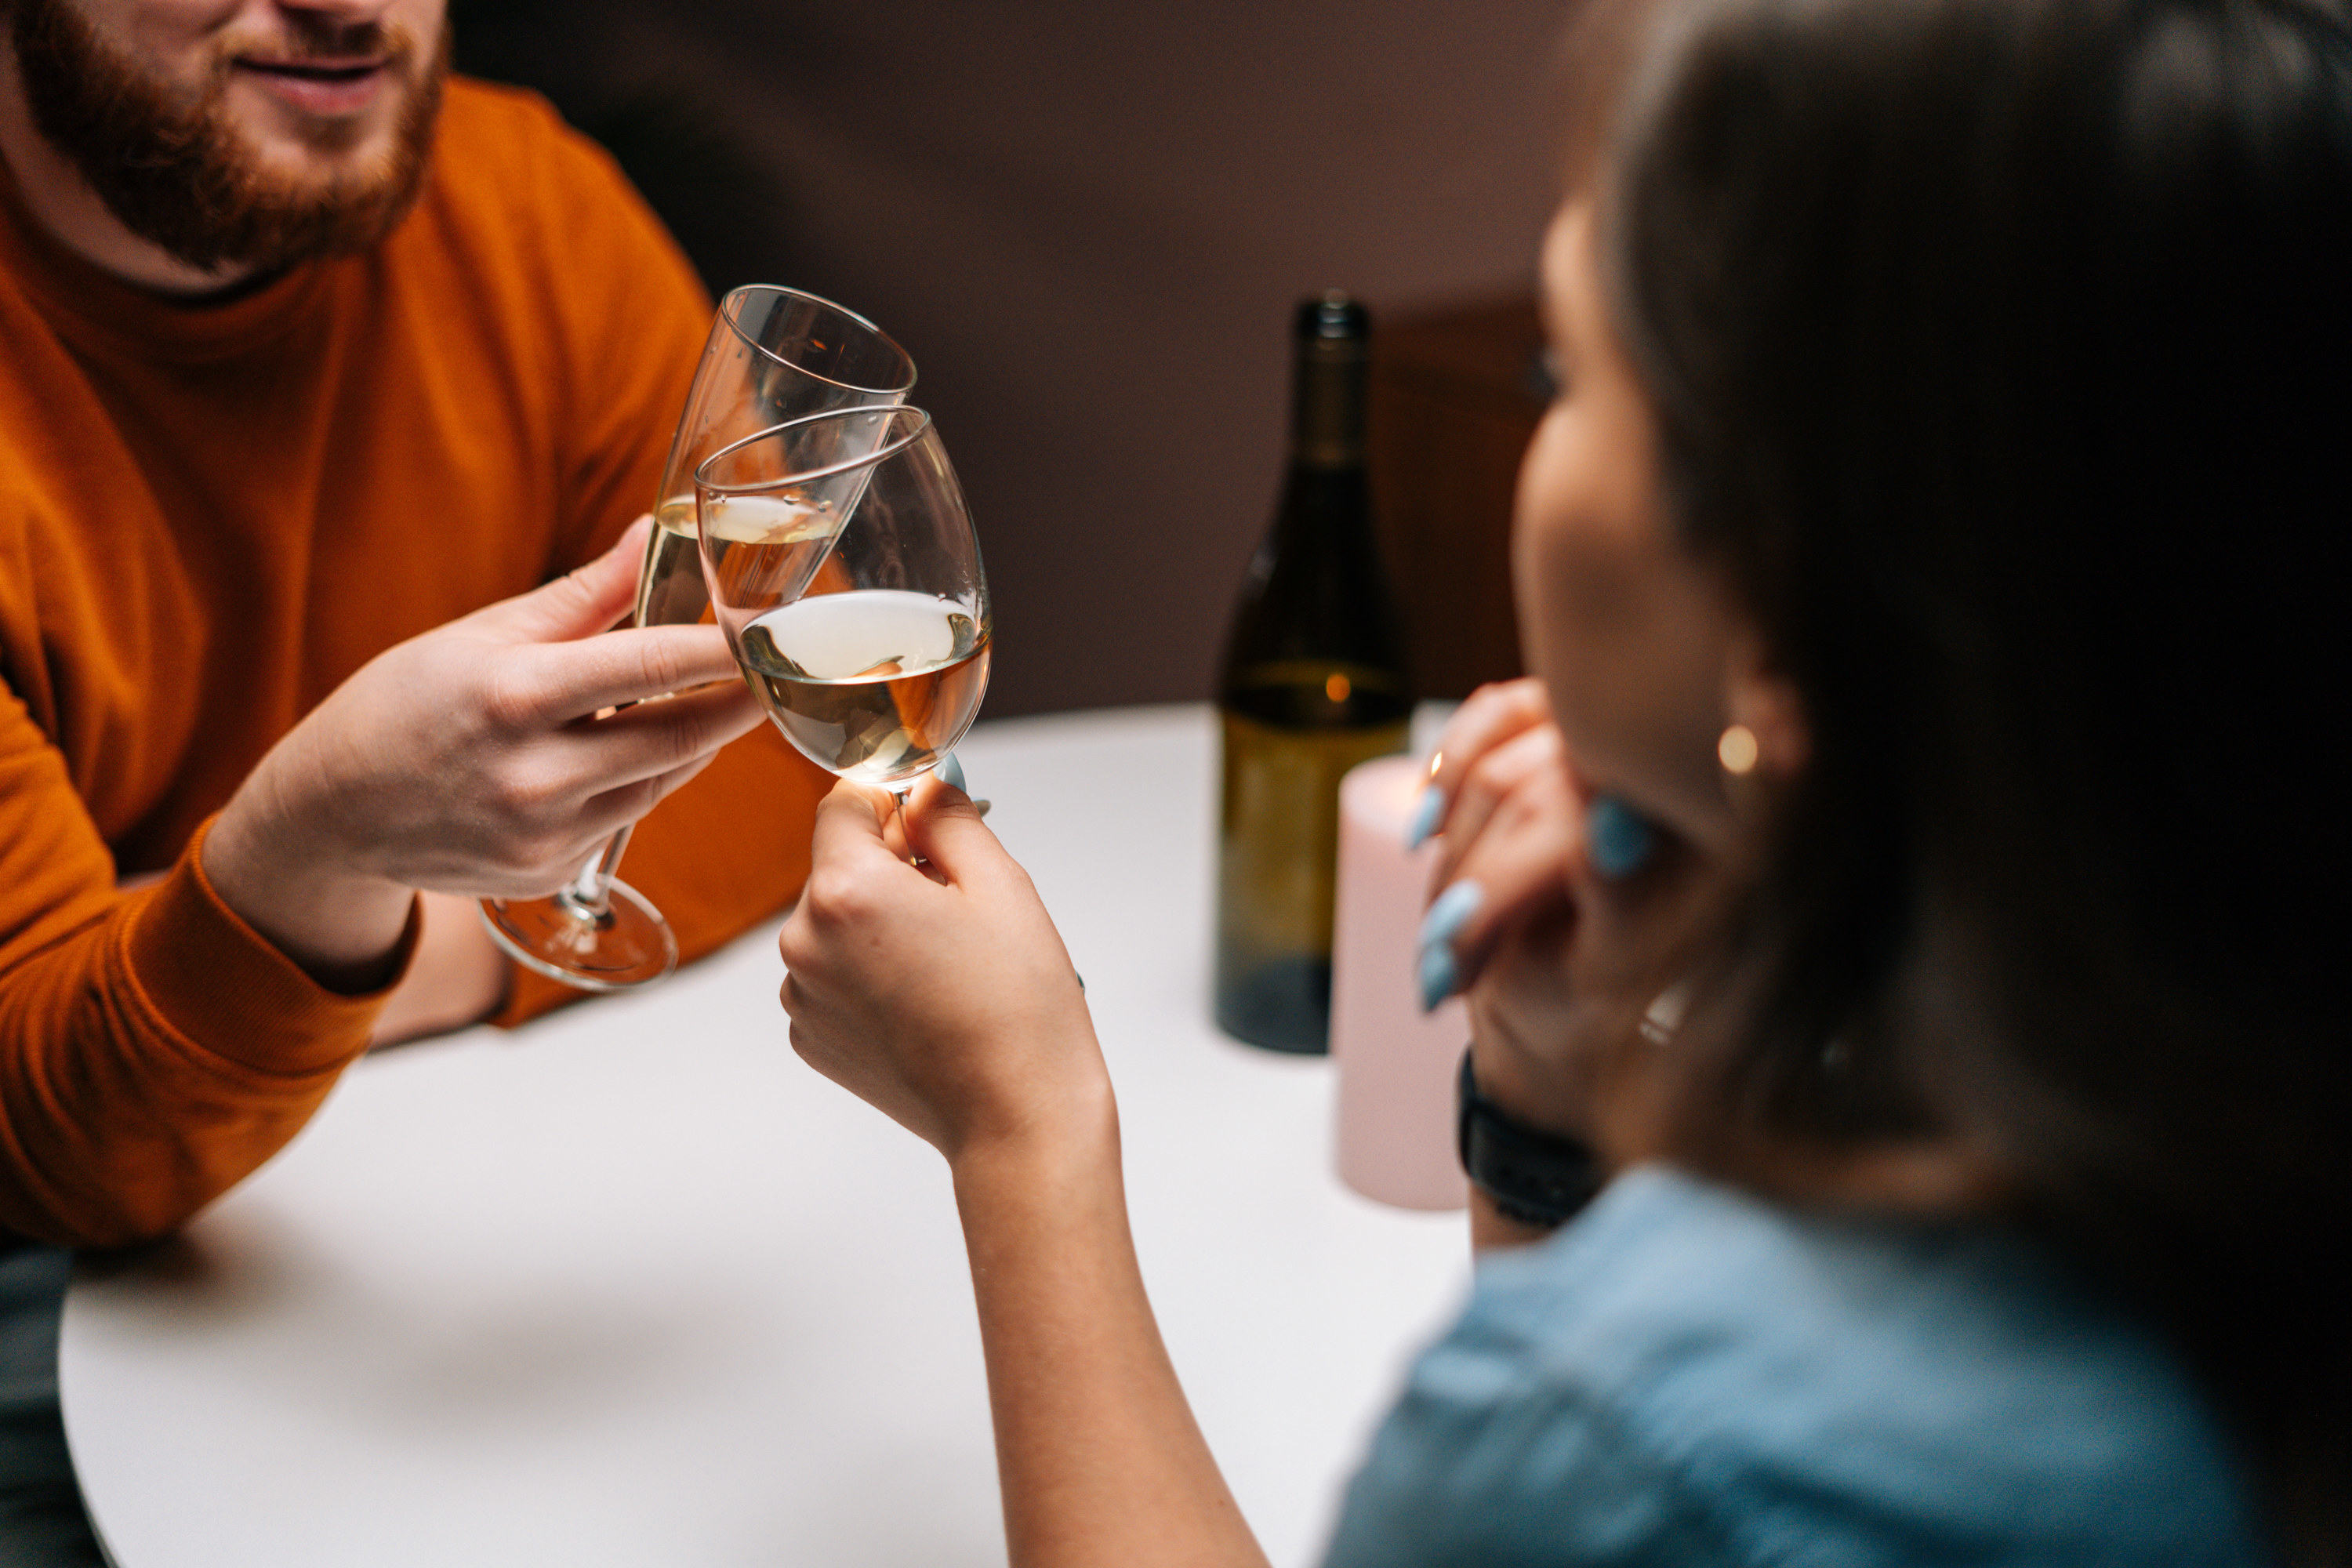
<point>98,313</point>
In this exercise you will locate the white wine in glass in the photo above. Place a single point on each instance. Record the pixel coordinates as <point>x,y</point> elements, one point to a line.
<point>842,564</point>
<point>772,354</point>
<point>669,582</point>
<point>867,681</point>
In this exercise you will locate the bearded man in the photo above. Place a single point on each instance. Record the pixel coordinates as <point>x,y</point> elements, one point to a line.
<point>328,384</point>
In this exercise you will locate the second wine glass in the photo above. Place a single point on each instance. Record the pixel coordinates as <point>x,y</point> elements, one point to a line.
<point>841,561</point>
<point>773,353</point>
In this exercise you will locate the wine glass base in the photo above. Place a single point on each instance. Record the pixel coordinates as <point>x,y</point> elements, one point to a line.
<point>625,945</point>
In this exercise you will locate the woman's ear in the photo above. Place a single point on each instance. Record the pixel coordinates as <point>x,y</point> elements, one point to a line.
<point>1767,735</point>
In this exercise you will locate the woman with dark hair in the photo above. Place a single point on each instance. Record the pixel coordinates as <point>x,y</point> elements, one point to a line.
<point>1913,872</point>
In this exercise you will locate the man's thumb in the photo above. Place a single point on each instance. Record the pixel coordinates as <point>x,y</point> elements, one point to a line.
<point>582,602</point>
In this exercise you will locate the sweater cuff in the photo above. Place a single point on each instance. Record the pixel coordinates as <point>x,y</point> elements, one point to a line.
<point>217,981</point>
<point>529,994</point>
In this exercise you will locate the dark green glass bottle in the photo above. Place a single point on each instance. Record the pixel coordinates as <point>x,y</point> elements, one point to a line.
<point>1313,683</point>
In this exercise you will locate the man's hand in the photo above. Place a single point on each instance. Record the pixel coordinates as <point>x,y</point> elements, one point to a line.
<point>471,761</point>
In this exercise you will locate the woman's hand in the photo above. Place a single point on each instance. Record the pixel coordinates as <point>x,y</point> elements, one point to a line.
<point>941,995</point>
<point>1503,920</point>
<point>469,759</point>
<point>1555,958</point>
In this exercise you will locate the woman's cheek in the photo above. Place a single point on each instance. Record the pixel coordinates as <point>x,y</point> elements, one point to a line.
<point>1628,637</point>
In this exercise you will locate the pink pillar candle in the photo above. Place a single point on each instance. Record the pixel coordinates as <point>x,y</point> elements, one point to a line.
<point>1396,1064</point>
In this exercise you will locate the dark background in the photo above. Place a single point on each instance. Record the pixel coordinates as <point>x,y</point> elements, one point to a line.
<point>1088,222</point>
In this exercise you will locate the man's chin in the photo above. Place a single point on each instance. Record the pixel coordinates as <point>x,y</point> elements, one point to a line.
<point>312,186</point>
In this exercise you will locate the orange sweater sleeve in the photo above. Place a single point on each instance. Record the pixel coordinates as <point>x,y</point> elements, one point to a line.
<point>153,1048</point>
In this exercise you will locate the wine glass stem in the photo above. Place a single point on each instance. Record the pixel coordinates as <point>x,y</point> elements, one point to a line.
<point>898,796</point>
<point>589,890</point>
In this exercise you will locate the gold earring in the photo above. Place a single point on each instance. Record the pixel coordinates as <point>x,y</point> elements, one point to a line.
<point>1737,749</point>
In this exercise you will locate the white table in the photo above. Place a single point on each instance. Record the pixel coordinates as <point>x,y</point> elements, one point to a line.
<point>633,1286</point>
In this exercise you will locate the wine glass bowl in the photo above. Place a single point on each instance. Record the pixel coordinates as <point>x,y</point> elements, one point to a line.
<point>772,354</point>
<point>841,564</point>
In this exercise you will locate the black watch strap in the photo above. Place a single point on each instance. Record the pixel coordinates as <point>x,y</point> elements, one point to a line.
<point>1534,1177</point>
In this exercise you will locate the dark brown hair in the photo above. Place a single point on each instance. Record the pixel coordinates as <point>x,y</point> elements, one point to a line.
<point>2002,353</point>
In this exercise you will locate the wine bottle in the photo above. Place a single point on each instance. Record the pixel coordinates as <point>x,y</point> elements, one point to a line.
<point>1313,683</point>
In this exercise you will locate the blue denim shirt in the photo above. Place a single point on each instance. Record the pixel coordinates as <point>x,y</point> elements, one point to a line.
<point>1687,1375</point>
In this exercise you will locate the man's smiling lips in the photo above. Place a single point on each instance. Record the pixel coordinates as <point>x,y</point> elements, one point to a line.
<point>324,86</point>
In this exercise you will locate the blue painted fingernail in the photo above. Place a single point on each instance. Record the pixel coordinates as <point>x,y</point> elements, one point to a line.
<point>1617,839</point>
<point>952,770</point>
<point>1450,913</point>
<point>1440,976</point>
<point>1427,813</point>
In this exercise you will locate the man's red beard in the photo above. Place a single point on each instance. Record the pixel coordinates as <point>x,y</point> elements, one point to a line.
<point>178,173</point>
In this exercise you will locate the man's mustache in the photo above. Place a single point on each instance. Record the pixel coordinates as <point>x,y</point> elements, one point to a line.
<point>308,36</point>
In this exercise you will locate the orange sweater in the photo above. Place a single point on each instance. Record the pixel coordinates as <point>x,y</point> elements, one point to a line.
<point>209,517</point>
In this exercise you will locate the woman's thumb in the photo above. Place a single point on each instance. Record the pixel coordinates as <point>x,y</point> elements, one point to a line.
<point>944,827</point>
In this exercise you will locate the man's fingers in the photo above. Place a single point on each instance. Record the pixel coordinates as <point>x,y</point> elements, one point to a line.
<point>560,682</point>
<point>652,736</point>
<point>621,804</point>
<point>605,758</point>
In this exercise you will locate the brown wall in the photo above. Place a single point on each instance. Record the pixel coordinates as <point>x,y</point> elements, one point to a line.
<point>1088,221</point>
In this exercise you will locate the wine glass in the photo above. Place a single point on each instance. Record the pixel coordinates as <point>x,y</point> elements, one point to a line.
<point>772,354</point>
<point>842,564</point>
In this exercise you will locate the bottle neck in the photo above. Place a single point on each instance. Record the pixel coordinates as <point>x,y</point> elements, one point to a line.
<point>1327,405</point>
